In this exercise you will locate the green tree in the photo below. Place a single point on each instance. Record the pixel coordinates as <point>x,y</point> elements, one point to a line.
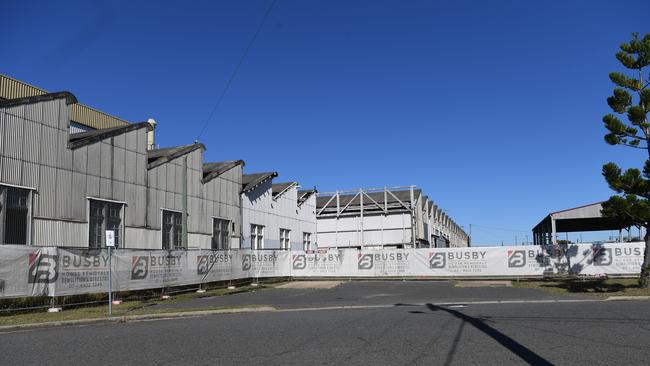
<point>631,98</point>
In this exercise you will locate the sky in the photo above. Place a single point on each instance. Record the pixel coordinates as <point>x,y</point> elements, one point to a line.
<point>493,108</point>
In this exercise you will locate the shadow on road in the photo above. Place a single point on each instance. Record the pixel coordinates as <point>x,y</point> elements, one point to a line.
<point>515,347</point>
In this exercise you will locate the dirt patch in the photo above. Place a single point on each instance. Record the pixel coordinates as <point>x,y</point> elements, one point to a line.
<point>325,285</point>
<point>483,284</point>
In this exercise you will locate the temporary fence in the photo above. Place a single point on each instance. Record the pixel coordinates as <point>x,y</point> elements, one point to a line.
<point>51,271</point>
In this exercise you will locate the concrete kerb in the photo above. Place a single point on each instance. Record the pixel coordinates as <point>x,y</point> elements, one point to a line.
<point>134,318</point>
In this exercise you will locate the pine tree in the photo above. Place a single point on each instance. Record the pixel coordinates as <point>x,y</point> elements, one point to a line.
<point>631,98</point>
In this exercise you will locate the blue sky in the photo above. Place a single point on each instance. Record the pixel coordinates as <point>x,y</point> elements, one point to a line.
<point>492,108</point>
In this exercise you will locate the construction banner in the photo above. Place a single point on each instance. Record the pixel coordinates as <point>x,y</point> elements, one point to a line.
<point>50,271</point>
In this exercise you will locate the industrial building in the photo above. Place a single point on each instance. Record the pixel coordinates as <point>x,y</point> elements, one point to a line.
<point>578,219</point>
<point>280,216</point>
<point>66,189</point>
<point>68,173</point>
<point>396,217</point>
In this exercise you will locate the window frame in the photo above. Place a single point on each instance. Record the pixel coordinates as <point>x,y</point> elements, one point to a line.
<point>229,226</point>
<point>306,244</point>
<point>284,238</point>
<point>120,239</point>
<point>256,236</point>
<point>4,189</point>
<point>162,232</point>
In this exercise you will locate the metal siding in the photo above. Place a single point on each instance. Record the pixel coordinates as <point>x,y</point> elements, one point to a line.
<point>51,114</point>
<point>92,186</point>
<point>141,169</point>
<point>94,159</point>
<point>34,112</point>
<point>60,233</point>
<point>131,198</point>
<point>2,133</point>
<point>63,194</point>
<point>48,145</point>
<point>79,196</point>
<point>64,115</point>
<point>118,190</point>
<point>80,159</point>
<point>119,160</point>
<point>31,141</point>
<point>11,171</point>
<point>13,138</point>
<point>120,141</point>
<point>29,175</point>
<point>130,162</point>
<point>46,192</point>
<point>105,189</point>
<point>142,141</point>
<point>105,160</point>
<point>131,141</point>
<point>64,155</point>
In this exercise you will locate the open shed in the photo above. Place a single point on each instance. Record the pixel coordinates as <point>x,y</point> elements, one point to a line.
<point>577,219</point>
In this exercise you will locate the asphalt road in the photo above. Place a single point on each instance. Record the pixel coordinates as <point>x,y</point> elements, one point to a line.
<point>369,293</point>
<point>566,333</point>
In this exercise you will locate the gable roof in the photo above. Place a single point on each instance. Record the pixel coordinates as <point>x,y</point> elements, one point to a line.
<point>80,139</point>
<point>278,189</point>
<point>250,181</point>
<point>69,99</point>
<point>158,157</point>
<point>215,169</point>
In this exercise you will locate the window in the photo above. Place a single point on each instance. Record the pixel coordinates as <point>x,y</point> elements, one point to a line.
<point>14,215</point>
<point>306,241</point>
<point>284,239</point>
<point>220,234</point>
<point>172,229</point>
<point>104,216</point>
<point>257,236</point>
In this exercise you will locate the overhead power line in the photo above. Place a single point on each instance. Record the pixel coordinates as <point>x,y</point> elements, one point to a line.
<point>234,72</point>
<point>501,229</point>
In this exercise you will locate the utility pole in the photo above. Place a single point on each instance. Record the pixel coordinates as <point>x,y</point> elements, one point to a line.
<point>526,239</point>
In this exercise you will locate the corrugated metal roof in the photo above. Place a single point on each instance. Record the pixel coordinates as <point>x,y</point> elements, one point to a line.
<point>11,88</point>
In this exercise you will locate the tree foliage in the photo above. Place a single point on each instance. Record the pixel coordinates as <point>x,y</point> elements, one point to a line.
<point>630,101</point>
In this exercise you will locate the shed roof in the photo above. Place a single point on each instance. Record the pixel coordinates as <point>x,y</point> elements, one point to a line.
<point>158,157</point>
<point>250,181</point>
<point>581,218</point>
<point>215,169</point>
